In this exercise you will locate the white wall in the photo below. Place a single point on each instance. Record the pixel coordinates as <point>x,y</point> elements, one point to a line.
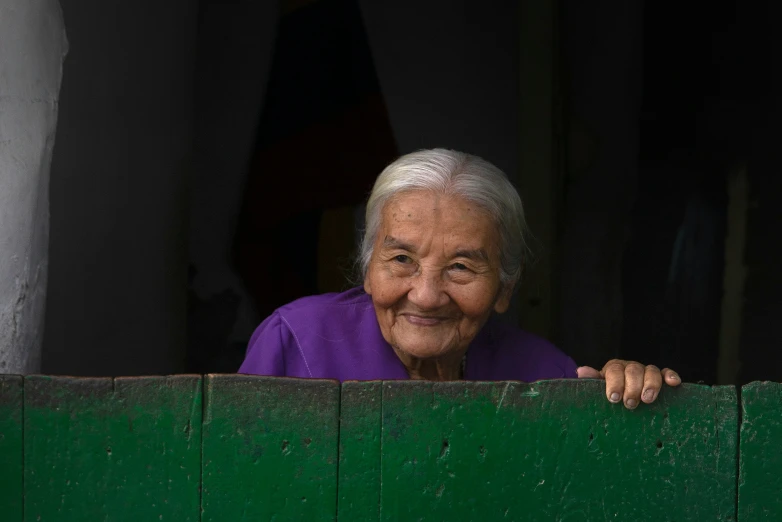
<point>31,55</point>
<point>118,249</point>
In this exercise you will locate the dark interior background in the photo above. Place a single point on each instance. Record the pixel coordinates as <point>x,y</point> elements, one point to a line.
<point>662,141</point>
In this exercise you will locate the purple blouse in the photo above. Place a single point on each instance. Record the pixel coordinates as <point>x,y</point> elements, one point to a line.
<point>336,336</point>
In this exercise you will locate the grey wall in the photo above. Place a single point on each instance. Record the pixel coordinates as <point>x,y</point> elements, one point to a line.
<point>31,55</point>
<point>118,248</point>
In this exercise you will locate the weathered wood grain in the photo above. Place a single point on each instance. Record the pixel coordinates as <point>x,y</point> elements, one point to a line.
<point>292,449</point>
<point>555,451</point>
<point>11,455</point>
<point>270,449</point>
<point>760,472</point>
<point>125,449</point>
<point>359,451</point>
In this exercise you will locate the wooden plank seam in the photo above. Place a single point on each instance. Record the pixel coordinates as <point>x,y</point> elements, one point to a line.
<point>738,442</point>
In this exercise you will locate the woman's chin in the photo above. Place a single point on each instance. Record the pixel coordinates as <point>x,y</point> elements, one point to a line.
<point>426,351</point>
<point>424,342</point>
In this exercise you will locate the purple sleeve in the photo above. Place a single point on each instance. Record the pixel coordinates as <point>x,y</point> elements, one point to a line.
<point>265,352</point>
<point>570,367</point>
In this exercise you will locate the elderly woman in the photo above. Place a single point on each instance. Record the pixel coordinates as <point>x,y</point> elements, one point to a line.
<point>441,255</point>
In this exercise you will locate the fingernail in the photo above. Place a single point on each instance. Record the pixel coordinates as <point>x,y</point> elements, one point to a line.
<point>632,403</point>
<point>649,395</point>
<point>674,376</point>
<point>614,397</point>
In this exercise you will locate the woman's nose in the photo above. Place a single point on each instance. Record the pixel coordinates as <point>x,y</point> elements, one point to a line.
<point>427,291</point>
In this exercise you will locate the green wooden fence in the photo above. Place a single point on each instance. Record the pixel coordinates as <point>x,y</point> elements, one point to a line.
<point>238,448</point>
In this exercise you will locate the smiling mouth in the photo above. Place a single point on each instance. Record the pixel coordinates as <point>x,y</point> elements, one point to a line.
<point>422,320</point>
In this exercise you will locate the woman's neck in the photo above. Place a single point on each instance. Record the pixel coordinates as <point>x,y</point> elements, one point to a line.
<point>447,368</point>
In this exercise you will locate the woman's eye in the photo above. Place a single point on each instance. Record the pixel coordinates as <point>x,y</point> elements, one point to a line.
<point>458,266</point>
<point>402,259</point>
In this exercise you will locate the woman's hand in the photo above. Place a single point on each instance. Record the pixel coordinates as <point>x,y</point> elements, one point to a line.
<point>631,381</point>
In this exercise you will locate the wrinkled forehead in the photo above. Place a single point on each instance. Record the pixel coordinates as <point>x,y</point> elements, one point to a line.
<point>419,203</point>
<point>417,215</point>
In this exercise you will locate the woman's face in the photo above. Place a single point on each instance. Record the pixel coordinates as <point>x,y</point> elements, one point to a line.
<point>434,275</point>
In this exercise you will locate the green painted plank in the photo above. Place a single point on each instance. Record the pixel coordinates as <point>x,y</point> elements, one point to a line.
<point>270,449</point>
<point>760,473</point>
<point>11,462</point>
<point>125,449</point>
<point>555,450</point>
<point>359,451</point>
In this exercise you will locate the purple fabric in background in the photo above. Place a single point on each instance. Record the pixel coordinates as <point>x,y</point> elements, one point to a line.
<point>336,336</point>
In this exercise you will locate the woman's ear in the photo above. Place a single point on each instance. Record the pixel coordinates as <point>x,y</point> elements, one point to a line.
<point>367,286</point>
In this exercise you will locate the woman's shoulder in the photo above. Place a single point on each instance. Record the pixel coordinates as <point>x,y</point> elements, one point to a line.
<point>329,303</point>
<point>516,354</point>
<point>326,314</point>
<point>323,316</point>
<point>321,336</point>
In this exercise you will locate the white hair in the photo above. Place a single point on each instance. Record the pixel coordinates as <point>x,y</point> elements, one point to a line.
<point>453,173</point>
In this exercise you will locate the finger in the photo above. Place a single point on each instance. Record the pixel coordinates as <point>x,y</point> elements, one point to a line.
<point>671,377</point>
<point>653,381</point>
<point>614,374</point>
<point>634,383</point>
<point>587,372</point>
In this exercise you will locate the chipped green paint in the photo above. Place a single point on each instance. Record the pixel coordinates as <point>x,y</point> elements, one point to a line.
<point>11,456</point>
<point>760,471</point>
<point>500,451</point>
<point>125,449</point>
<point>270,449</point>
<point>359,452</point>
